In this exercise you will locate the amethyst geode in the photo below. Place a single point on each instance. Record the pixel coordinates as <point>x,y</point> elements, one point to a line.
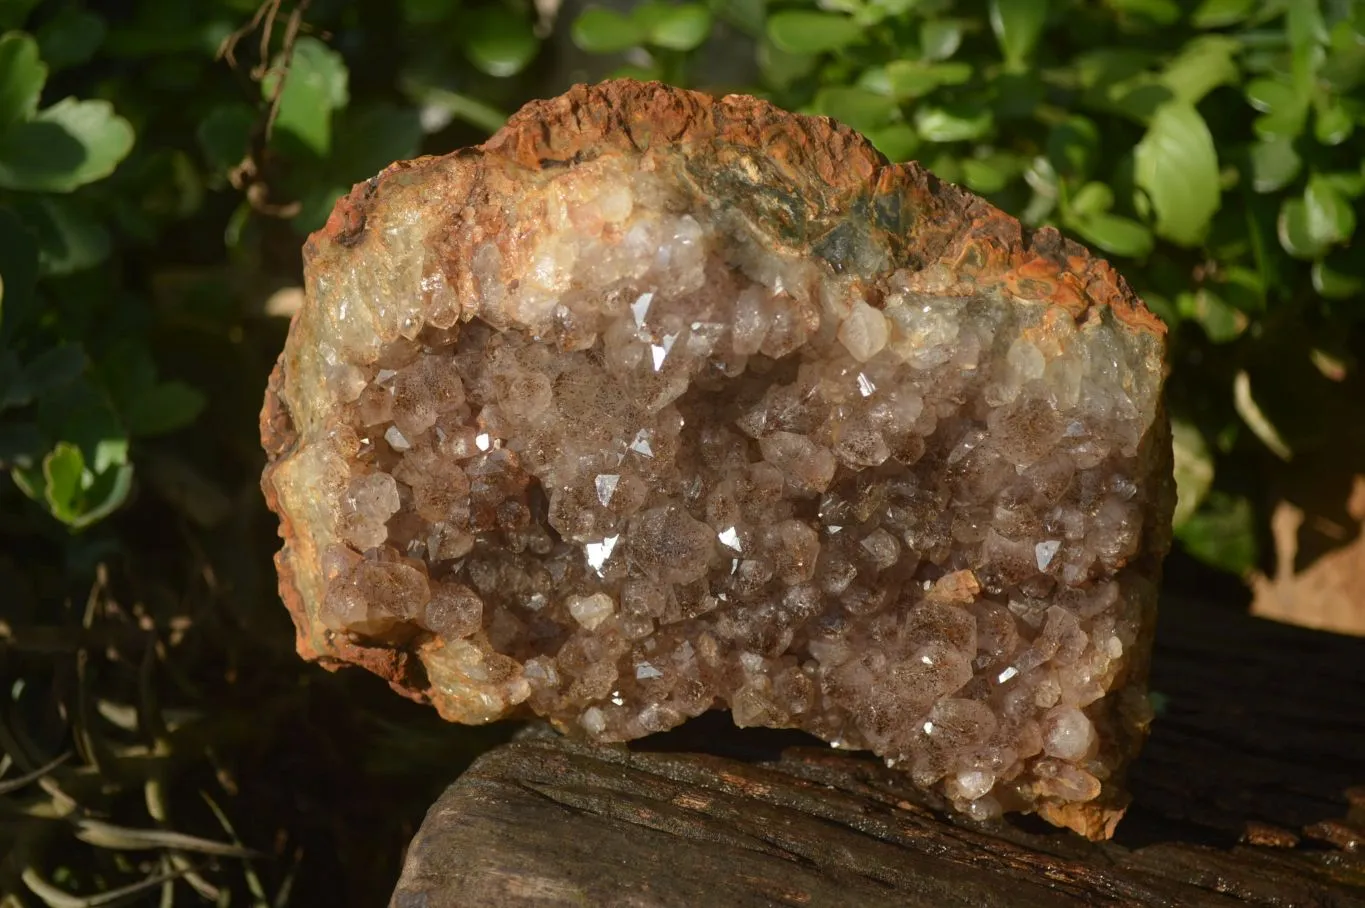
<point>657,402</point>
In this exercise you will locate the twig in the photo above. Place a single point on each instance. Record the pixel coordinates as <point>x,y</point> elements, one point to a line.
<point>248,176</point>
<point>228,49</point>
<point>9,785</point>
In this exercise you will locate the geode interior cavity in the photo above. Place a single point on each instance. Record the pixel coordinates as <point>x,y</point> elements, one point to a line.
<point>657,402</point>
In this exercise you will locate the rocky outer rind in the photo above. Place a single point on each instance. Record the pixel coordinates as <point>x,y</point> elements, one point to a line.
<point>805,185</point>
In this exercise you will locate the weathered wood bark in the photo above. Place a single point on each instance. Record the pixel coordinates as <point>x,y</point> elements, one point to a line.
<point>1261,740</point>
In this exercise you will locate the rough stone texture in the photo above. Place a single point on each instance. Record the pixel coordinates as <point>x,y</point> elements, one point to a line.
<point>657,401</point>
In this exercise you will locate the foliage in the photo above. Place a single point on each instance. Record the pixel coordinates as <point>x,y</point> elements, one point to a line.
<point>65,438</point>
<point>79,384</point>
<point>1212,150</point>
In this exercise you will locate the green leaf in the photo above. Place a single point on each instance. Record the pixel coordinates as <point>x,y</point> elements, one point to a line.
<point>1073,147</point>
<point>1330,218</point>
<point>126,371</point>
<point>1295,236</point>
<point>22,76</point>
<point>1242,287</point>
<point>316,205</point>
<point>1344,68</point>
<point>71,37</point>
<point>71,492</point>
<point>1102,68</point>
<point>1204,64</point>
<point>1307,33</point>
<point>991,173</point>
<point>63,471</point>
<point>682,27</point>
<point>946,164</point>
<point>781,69</point>
<point>498,41</point>
<point>950,73</point>
<point>371,137</point>
<point>459,106</point>
<point>427,12</point>
<point>1092,198</point>
<point>315,86</point>
<point>897,141</point>
<point>56,367</point>
<point>106,495</point>
<point>1042,179</point>
<point>163,408</point>
<point>1338,276</point>
<point>1177,166</point>
<point>605,31</point>
<point>1017,25</point>
<point>648,14</point>
<point>1141,99</point>
<point>1332,122</point>
<point>80,413</point>
<point>64,147</point>
<point>1119,80</point>
<point>1019,95</point>
<point>240,225</point>
<point>1154,12</point>
<point>1221,321</point>
<point>70,238</point>
<point>1221,533</point>
<point>651,73</point>
<point>808,32</point>
<point>51,370</point>
<point>1285,109</point>
<point>746,15</point>
<point>224,134</point>
<point>1221,13</point>
<point>875,79</point>
<point>1274,164</point>
<point>1161,306</point>
<point>939,39</point>
<point>1193,469</point>
<point>953,122</point>
<point>109,453</point>
<point>1114,234</point>
<point>907,80</point>
<point>856,107</point>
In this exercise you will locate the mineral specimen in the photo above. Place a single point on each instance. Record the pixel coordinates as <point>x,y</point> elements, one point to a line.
<point>657,402</point>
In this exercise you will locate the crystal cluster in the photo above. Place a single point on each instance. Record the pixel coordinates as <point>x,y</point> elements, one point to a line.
<point>658,403</point>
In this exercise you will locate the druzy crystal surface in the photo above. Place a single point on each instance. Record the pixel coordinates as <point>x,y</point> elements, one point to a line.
<point>657,403</point>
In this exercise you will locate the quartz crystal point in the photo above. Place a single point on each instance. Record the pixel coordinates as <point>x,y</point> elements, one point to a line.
<point>657,402</point>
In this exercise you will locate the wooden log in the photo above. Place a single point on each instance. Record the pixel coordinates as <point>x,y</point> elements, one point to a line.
<point>1241,797</point>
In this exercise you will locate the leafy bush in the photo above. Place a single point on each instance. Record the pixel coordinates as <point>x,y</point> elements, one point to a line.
<point>79,382</point>
<point>66,439</point>
<point>1212,150</point>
